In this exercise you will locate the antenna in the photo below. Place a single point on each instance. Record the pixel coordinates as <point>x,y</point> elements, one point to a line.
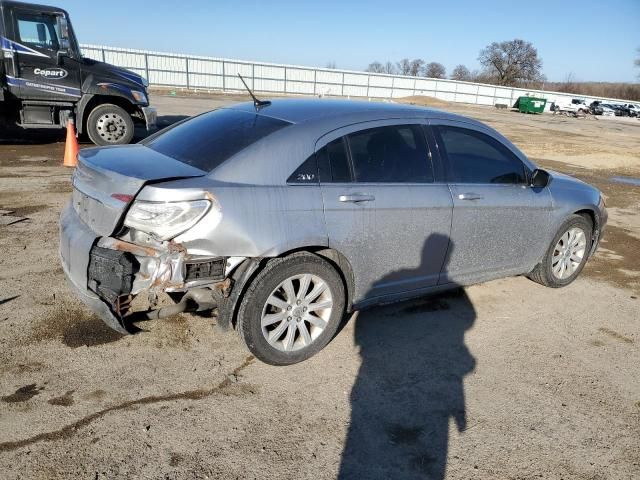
<point>256,103</point>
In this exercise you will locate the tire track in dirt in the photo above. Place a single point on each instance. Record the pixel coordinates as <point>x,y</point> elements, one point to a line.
<point>71,429</point>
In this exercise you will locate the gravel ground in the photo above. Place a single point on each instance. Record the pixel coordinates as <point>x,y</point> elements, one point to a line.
<point>504,380</point>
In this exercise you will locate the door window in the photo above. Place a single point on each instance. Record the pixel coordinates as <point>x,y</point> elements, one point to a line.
<point>38,31</point>
<point>393,154</point>
<point>478,158</point>
<point>333,162</point>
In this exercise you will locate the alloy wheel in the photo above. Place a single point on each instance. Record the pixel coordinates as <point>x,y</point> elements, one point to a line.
<point>297,312</point>
<point>568,253</point>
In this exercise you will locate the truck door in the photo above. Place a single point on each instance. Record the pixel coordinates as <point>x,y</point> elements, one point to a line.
<point>38,38</point>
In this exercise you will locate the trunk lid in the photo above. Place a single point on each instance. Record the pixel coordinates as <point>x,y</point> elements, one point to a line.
<point>121,171</point>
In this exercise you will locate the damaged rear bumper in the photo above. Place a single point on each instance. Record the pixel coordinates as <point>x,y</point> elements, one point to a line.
<point>108,273</point>
<point>76,240</point>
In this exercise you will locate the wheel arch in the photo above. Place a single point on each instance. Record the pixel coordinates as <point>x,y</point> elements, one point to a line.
<point>594,218</point>
<point>90,101</point>
<point>589,215</point>
<point>244,274</point>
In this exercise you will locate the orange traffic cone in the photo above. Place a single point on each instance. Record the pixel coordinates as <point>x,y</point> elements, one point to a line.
<point>71,146</point>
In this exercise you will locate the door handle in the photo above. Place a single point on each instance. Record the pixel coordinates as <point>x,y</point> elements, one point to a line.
<point>356,198</point>
<point>470,196</point>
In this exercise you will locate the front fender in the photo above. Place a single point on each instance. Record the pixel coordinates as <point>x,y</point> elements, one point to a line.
<point>80,111</point>
<point>94,85</point>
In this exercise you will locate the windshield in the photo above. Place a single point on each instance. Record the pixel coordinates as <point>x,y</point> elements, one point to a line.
<point>208,140</point>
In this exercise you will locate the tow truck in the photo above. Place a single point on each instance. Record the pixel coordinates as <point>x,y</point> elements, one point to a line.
<point>45,81</point>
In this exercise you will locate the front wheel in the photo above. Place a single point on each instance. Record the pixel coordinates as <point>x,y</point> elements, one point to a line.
<point>110,125</point>
<point>292,309</point>
<point>566,255</point>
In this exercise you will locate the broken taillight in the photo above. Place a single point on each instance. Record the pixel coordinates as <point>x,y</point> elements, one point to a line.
<point>123,197</point>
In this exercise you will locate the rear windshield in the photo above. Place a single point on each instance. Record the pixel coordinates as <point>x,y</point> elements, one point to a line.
<point>209,139</point>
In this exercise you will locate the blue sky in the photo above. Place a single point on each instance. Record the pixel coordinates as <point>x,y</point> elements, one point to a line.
<point>591,39</point>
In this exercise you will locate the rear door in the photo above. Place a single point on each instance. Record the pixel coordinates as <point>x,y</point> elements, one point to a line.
<point>35,48</point>
<point>499,221</point>
<point>385,208</point>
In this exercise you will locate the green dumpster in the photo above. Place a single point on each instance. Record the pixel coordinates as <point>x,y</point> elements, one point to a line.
<point>531,104</point>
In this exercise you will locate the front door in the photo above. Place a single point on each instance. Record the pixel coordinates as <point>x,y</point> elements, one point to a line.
<point>499,221</point>
<point>384,209</point>
<point>35,48</point>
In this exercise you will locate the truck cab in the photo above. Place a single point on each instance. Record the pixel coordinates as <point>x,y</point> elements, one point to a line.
<point>45,80</point>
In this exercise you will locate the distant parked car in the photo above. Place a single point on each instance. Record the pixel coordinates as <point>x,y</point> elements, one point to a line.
<point>634,109</point>
<point>619,110</point>
<point>285,215</point>
<point>575,106</point>
<point>599,108</point>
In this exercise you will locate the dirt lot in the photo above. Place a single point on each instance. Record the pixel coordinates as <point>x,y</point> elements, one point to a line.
<point>505,380</point>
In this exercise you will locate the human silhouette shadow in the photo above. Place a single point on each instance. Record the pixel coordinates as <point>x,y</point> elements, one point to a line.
<point>410,384</point>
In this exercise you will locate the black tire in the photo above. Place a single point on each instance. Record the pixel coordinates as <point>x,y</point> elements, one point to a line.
<point>268,279</point>
<point>543,273</point>
<point>110,124</point>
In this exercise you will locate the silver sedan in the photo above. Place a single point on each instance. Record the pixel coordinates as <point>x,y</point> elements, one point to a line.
<point>280,217</point>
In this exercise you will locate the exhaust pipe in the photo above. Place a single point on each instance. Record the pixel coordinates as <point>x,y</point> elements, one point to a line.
<point>197,300</point>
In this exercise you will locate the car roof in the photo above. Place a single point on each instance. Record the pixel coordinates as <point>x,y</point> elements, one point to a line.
<point>313,121</point>
<point>299,110</point>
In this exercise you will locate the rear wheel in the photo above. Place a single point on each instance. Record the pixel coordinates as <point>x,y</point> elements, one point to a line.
<point>566,255</point>
<point>292,309</point>
<point>110,125</point>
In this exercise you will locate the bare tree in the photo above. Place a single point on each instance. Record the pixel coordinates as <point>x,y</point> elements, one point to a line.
<point>416,67</point>
<point>569,85</point>
<point>389,68</point>
<point>461,73</point>
<point>331,64</point>
<point>637,61</point>
<point>511,62</point>
<point>376,67</point>
<point>404,66</point>
<point>435,70</point>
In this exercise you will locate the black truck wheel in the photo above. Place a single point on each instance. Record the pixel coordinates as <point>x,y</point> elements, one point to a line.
<point>110,125</point>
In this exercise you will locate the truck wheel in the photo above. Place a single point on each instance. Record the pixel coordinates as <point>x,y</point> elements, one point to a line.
<point>292,309</point>
<point>110,125</point>
<point>567,254</point>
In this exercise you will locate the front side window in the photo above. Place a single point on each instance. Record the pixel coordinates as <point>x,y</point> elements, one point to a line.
<point>37,30</point>
<point>478,158</point>
<point>208,140</point>
<point>393,154</point>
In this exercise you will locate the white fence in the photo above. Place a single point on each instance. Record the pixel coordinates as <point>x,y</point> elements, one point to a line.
<point>220,74</point>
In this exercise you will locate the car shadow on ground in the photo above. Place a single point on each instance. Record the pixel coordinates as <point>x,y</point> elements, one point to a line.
<point>409,386</point>
<point>13,135</point>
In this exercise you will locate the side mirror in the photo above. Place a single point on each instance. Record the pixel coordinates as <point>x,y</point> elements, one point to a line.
<point>63,27</point>
<point>64,42</point>
<point>60,57</point>
<point>540,178</point>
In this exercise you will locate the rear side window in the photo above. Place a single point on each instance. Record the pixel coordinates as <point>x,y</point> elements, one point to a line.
<point>393,154</point>
<point>208,140</point>
<point>305,173</point>
<point>333,162</point>
<point>474,157</point>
